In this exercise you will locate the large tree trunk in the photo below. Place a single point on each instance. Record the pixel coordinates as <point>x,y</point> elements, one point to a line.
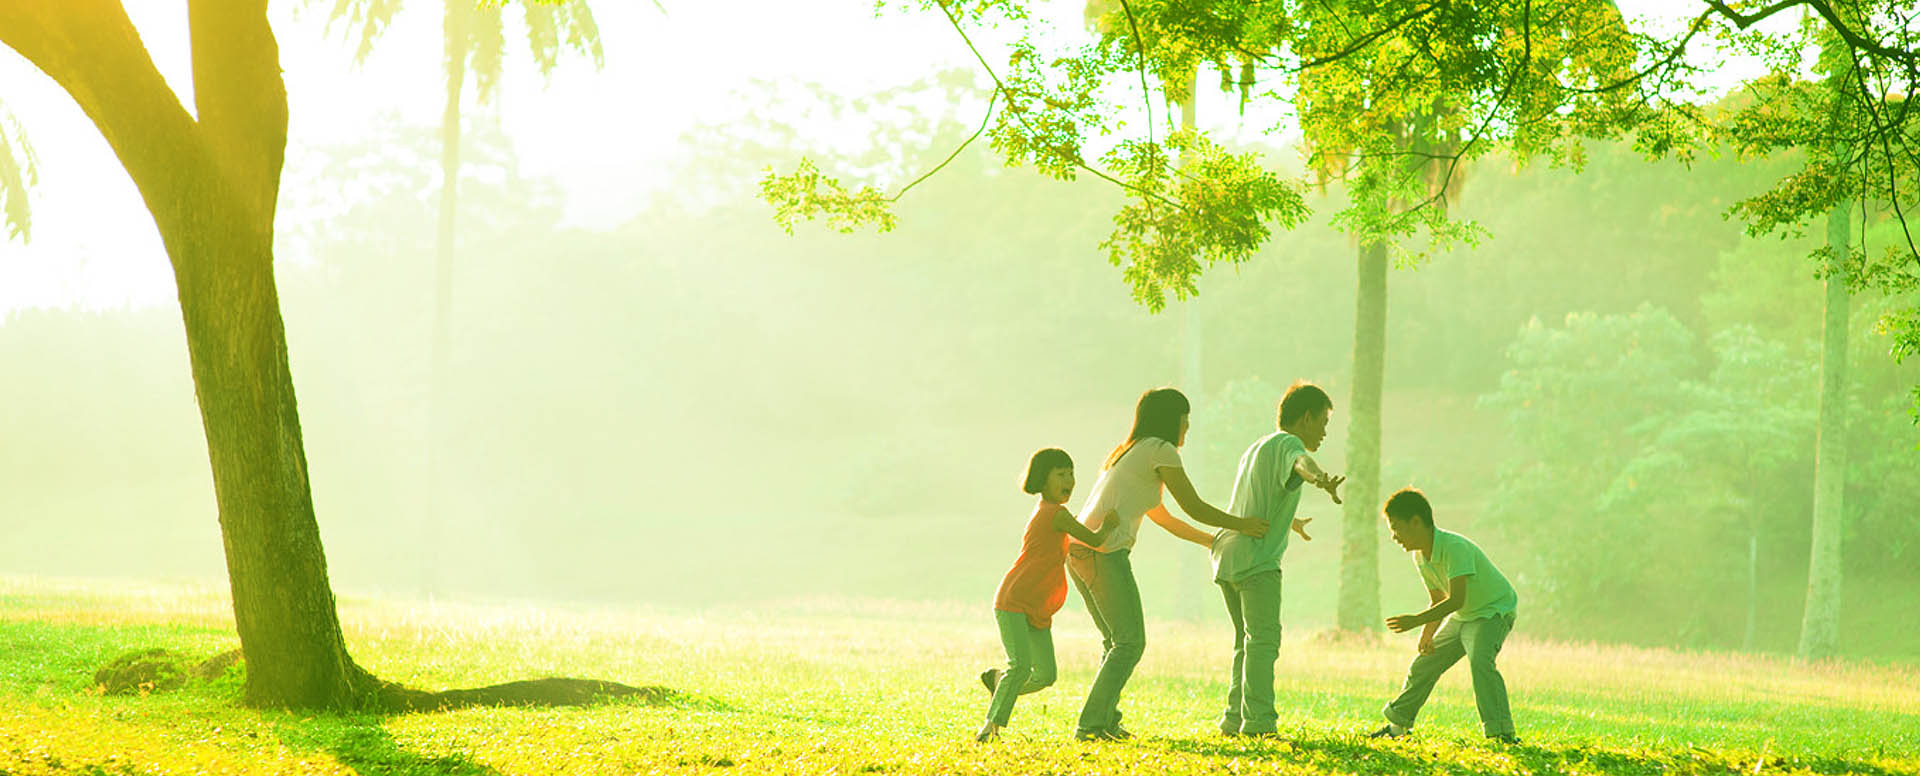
<point>1359,597</point>
<point>212,185</point>
<point>1820,624</point>
<point>282,602</point>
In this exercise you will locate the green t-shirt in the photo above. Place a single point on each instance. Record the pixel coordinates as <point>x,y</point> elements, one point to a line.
<point>1265,488</point>
<point>1488,592</point>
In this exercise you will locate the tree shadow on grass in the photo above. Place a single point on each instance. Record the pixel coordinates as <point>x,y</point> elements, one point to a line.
<point>1340,754</point>
<point>364,745</point>
<point>549,692</point>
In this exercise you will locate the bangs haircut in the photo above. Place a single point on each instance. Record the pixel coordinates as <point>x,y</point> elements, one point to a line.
<point>1041,465</point>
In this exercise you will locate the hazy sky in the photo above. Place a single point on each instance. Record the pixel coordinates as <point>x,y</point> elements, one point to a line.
<point>607,137</point>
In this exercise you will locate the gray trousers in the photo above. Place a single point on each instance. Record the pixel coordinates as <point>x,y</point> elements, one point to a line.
<point>1254,606</point>
<point>1479,642</point>
<point>1105,581</point>
<point>1030,663</point>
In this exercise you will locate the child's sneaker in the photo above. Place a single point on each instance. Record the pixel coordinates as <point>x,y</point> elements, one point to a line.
<point>990,678</point>
<point>1505,738</point>
<point>1387,731</point>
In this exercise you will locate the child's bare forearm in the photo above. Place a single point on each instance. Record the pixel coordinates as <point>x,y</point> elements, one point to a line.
<point>1437,612</point>
<point>1311,473</point>
<point>1309,470</point>
<point>1085,535</point>
<point>1185,530</point>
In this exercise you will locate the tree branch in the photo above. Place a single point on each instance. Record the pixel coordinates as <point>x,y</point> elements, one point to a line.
<point>1679,50</point>
<point>1146,95</point>
<point>1868,102</point>
<point>1140,50</point>
<point>1365,40</point>
<point>1526,60</point>
<point>240,97</point>
<point>1852,37</point>
<point>1747,20</point>
<point>94,52</point>
<point>1074,160</point>
<point>984,121</point>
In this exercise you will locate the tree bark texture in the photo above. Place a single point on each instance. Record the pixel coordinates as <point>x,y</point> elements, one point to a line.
<point>1358,605</point>
<point>1820,623</point>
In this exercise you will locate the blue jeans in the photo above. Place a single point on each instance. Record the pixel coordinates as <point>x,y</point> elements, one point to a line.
<point>1254,606</point>
<point>1105,581</point>
<point>1030,663</point>
<point>1479,641</point>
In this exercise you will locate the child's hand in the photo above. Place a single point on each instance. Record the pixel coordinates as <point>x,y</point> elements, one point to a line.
<point>1332,486</point>
<point>1401,623</point>
<point>1300,527</point>
<point>1253,528</point>
<point>1426,644</point>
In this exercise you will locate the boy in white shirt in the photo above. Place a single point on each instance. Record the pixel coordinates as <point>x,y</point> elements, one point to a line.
<point>1247,568</point>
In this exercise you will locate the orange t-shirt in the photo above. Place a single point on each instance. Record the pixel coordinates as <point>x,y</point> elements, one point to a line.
<point>1037,584</point>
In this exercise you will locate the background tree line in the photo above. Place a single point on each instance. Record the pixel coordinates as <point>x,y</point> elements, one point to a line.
<point>986,329</point>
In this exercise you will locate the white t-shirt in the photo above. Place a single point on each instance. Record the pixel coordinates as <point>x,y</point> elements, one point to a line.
<point>1130,488</point>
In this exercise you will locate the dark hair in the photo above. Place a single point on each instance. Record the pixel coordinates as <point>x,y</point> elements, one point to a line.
<point>1043,464</point>
<point>1301,399</point>
<point>1156,415</point>
<point>1409,502</point>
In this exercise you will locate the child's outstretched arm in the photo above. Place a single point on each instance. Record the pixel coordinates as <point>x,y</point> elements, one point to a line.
<point>1190,502</point>
<point>1063,521</point>
<point>1315,476</point>
<point>1180,528</point>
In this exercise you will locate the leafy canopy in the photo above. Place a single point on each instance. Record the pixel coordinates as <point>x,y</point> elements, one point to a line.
<point>1393,99</point>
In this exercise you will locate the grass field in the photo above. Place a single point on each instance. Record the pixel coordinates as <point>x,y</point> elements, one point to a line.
<point>872,687</point>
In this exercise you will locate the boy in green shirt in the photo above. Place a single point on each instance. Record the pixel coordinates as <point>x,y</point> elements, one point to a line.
<point>1461,582</point>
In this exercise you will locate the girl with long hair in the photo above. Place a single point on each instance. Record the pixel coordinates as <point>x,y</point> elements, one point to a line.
<point>1129,490</point>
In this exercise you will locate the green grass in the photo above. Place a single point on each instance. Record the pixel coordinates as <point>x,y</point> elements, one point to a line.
<point>871,687</point>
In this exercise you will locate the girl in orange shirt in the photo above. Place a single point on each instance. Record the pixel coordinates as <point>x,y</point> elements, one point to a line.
<point>1035,588</point>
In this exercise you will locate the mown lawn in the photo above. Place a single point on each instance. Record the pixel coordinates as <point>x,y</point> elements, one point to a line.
<point>868,687</point>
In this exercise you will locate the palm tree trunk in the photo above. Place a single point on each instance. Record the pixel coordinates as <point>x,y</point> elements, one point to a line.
<point>1359,597</point>
<point>1820,624</point>
<point>456,32</point>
